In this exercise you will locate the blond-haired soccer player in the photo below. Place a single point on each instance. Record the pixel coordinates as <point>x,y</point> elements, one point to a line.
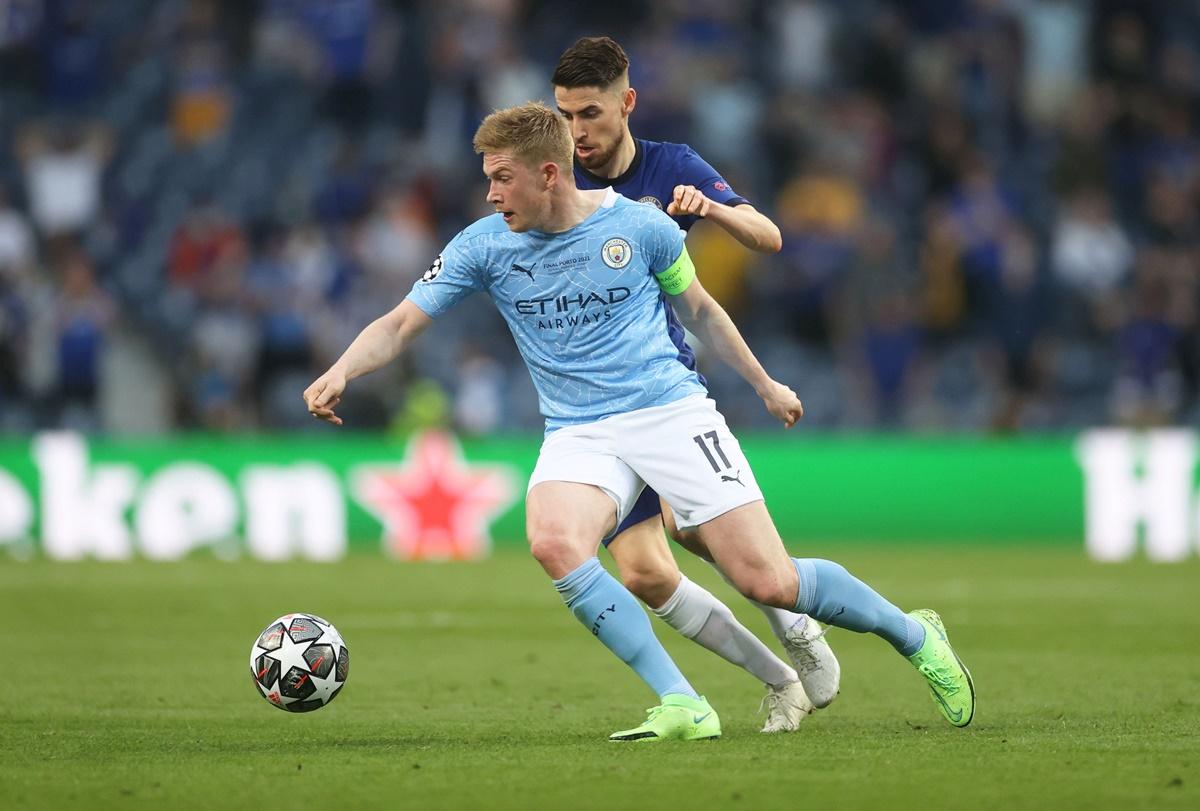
<point>591,89</point>
<point>578,276</point>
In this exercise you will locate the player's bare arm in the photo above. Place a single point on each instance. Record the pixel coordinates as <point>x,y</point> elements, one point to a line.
<point>744,222</point>
<point>378,344</point>
<point>709,322</point>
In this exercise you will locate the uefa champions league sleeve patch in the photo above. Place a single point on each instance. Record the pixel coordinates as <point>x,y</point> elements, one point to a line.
<point>616,253</point>
<point>434,271</point>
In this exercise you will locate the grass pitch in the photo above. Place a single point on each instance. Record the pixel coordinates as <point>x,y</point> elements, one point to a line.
<point>472,687</point>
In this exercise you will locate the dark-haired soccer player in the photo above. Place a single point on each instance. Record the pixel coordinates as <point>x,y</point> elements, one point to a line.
<point>591,88</point>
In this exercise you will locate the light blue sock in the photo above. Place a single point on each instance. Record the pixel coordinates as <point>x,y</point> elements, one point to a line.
<point>833,595</point>
<point>609,611</point>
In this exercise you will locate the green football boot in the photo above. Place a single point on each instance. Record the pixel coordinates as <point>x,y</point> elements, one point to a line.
<point>951,685</point>
<point>678,718</point>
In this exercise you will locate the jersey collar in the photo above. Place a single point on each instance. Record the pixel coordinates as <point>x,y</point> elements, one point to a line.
<point>639,152</point>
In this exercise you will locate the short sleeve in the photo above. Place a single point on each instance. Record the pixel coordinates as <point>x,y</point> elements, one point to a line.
<point>666,254</point>
<point>695,171</point>
<point>452,277</point>
<point>662,240</point>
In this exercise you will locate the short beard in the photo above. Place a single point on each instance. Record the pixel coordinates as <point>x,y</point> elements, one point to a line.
<point>598,160</point>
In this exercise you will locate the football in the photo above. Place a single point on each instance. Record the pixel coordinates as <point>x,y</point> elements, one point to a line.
<point>299,662</point>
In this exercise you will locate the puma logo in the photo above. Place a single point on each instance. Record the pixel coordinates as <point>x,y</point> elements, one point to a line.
<point>527,271</point>
<point>725,477</point>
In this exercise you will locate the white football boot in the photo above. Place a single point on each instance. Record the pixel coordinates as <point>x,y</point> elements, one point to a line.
<point>786,707</point>
<point>814,661</point>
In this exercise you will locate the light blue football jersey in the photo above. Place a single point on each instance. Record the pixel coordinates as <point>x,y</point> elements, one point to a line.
<point>584,306</point>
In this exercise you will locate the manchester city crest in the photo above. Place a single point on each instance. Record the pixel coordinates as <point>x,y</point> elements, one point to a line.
<point>616,253</point>
<point>651,200</point>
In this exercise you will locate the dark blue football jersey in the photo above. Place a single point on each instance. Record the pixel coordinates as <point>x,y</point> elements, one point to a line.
<point>656,170</point>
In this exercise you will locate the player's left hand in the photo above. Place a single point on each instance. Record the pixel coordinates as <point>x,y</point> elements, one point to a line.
<point>688,201</point>
<point>783,404</point>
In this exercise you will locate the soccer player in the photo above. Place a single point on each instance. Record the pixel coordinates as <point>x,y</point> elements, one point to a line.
<point>591,89</point>
<point>578,276</point>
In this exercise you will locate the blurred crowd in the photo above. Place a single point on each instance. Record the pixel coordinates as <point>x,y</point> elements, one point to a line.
<point>989,207</point>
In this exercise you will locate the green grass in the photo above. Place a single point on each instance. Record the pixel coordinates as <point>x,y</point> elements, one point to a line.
<point>472,687</point>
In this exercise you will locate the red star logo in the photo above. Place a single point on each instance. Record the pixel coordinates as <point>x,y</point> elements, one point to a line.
<point>434,505</point>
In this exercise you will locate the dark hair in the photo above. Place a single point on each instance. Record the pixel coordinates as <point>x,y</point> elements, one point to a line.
<point>591,62</point>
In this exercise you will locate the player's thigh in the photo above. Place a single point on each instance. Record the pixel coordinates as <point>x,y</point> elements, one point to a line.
<point>747,547</point>
<point>570,513</point>
<point>578,492</point>
<point>687,453</point>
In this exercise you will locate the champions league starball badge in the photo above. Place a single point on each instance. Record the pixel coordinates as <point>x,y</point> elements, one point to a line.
<point>434,270</point>
<point>616,253</point>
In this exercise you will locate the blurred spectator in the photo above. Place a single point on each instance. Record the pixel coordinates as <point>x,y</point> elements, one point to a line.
<point>803,31</point>
<point>16,241</point>
<point>14,345</point>
<point>1056,57</point>
<point>356,41</point>
<point>346,192</point>
<point>818,215</point>
<point>982,211</point>
<point>20,25</point>
<point>75,54</point>
<point>64,164</point>
<point>1091,258</point>
<point>224,349</point>
<point>1148,390</point>
<point>1020,314</point>
<point>84,312</point>
<point>943,287</point>
<point>398,240</point>
<point>891,344</point>
<point>202,100</point>
<point>283,306</point>
<point>479,393</point>
<point>204,237</point>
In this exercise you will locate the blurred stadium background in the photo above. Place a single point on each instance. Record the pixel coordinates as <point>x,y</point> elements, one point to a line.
<point>988,206</point>
<point>987,298</point>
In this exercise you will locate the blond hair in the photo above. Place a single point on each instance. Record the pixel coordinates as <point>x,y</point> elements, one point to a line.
<point>531,132</point>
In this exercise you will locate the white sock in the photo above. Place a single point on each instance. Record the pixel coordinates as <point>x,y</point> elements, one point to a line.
<point>780,619</point>
<point>707,621</point>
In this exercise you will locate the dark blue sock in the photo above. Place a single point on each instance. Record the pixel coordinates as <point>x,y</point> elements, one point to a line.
<point>833,595</point>
<point>608,610</point>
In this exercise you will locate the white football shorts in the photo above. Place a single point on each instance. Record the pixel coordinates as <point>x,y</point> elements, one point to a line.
<point>684,450</point>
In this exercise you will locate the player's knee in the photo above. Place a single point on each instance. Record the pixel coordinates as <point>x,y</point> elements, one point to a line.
<point>768,591</point>
<point>552,547</point>
<point>653,586</point>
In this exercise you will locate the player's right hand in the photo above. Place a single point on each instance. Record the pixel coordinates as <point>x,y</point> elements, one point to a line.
<point>324,394</point>
<point>783,404</point>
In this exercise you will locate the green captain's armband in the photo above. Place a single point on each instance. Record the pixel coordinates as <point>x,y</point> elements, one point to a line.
<point>675,279</point>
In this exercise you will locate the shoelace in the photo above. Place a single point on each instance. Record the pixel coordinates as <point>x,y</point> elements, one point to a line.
<point>803,648</point>
<point>770,702</point>
<point>940,676</point>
